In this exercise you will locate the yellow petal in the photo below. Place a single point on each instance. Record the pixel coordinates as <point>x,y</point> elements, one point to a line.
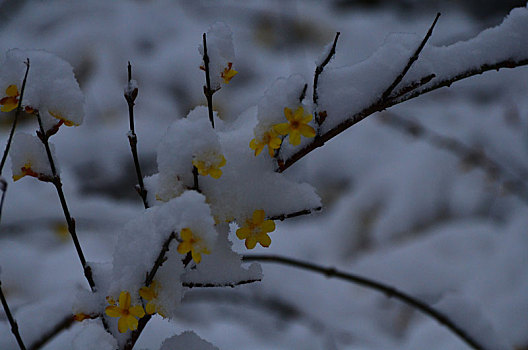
<point>271,152</point>
<point>12,91</point>
<point>275,143</point>
<point>215,173</point>
<point>288,113</point>
<point>222,162</point>
<point>196,256</point>
<point>251,242</point>
<point>113,311</point>
<point>137,310</point>
<point>264,240</point>
<point>282,128</point>
<point>186,234</point>
<point>132,322</point>
<point>307,131</point>
<point>9,106</point>
<point>147,293</point>
<point>124,300</point>
<point>122,325</point>
<point>151,308</point>
<point>243,232</point>
<point>298,115</point>
<point>253,144</point>
<point>295,138</point>
<point>258,216</point>
<point>306,118</point>
<point>184,247</point>
<point>268,226</point>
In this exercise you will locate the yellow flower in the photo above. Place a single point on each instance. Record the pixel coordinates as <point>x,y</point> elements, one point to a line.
<point>62,119</point>
<point>127,314</point>
<point>10,102</point>
<point>210,164</point>
<point>25,170</point>
<point>192,244</point>
<point>81,317</point>
<point>270,139</point>
<point>150,294</point>
<point>256,230</point>
<point>296,126</point>
<point>228,73</point>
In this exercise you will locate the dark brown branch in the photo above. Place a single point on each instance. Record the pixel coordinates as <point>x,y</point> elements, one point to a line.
<point>15,120</point>
<point>389,291</point>
<point>196,185</point>
<point>412,59</point>
<point>413,86</point>
<point>381,105</point>
<point>12,321</point>
<point>208,92</point>
<point>58,186</point>
<point>134,336</point>
<point>59,327</point>
<point>303,93</point>
<point>319,69</point>
<point>283,217</point>
<point>160,259</point>
<point>514,184</point>
<point>218,285</point>
<point>130,96</point>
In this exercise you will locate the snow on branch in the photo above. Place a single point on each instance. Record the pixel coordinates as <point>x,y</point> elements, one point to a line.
<point>350,94</point>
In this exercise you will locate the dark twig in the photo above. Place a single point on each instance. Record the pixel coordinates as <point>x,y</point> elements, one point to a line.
<point>58,185</point>
<point>283,217</point>
<point>218,285</point>
<point>389,291</point>
<point>381,105</point>
<point>514,184</point>
<point>17,114</point>
<point>196,185</point>
<point>412,86</point>
<point>160,259</point>
<point>59,327</point>
<point>319,69</point>
<point>12,322</point>
<point>303,93</point>
<point>412,59</point>
<point>3,183</point>
<point>131,92</point>
<point>208,92</point>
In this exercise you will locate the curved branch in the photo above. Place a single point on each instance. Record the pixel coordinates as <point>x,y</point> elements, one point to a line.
<point>389,291</point>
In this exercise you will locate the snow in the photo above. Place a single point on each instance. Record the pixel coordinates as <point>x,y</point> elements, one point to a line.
<point>397,208</point>
<point>188,340</point>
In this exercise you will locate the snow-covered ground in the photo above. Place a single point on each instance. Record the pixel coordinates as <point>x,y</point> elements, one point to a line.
<point>396,209</point>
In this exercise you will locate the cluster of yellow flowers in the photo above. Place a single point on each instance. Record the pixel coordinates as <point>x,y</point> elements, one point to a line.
<point>128,314</point>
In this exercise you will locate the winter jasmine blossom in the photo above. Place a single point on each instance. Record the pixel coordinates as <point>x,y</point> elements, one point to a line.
<point>228,73</point>
<point>192,243</point>
<point>10,102</point>
<point>270,139</point>
<point>256,230</point>
<point>25,170</point>
<point>296,126</point>
<point>127,314</point>
<point>150,294</point>
<point>62,119</point>
<point>210,164</point>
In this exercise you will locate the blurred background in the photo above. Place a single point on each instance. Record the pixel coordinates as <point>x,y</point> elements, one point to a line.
<point>399,208</point>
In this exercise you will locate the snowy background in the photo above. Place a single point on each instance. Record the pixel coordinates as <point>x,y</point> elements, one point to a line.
<point>396,208</point>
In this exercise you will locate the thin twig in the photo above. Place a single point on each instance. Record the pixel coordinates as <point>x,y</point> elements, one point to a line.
<point>381,105</point>
<point>17,114</point>
<point>412,59</point>
<point>64,324</point>
<point>389,291</point>
<point>208,92</point>
<point>319,69</point>
<point>58,186</point>
<point>514,184</point>
<point>196,185</point>
<point>12,321</point>
<point>413,86</point>
<point>3,183</point>
<point>130,96</point>
<point>160,259</point>
<point>303,93</point>
<point>283,217</point>
<point>218,285</point>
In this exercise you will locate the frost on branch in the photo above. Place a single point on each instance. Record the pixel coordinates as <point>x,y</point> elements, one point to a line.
<point>51,88</point>
<point>221,53</point>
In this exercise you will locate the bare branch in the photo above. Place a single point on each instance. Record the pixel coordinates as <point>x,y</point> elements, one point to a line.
<point>218,285</point>
<point>319,69</point>
<point>208,92</point>
<point>58,186</point>
<point>12,321</point>
<point>130,96</point>
<point>412,59</point>
<point>389,291</point>
<point>283,217</point>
